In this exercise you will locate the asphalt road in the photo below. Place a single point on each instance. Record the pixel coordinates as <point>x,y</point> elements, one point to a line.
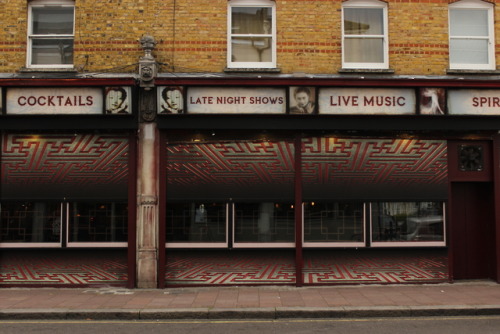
<point>441,325</point>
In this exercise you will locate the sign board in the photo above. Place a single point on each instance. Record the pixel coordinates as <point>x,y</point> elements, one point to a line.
<point>54,100</point>
<point>354,101</point>
<point>473,102</point>
<point>206,100</point>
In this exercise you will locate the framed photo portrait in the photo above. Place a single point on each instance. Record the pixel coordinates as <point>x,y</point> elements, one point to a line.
<point>117,100</point>
<point>432,101</point>
<point>170,100</point>
<point>302,100</point>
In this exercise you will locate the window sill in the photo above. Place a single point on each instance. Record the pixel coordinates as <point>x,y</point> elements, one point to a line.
<point>449,71</point>
<point>252,70</point>
<point>366,70</point>
<point>48,70</point>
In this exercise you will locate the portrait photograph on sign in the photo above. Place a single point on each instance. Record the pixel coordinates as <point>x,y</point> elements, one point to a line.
<point>118,100</point>
<point>432,101</point>
<point>170,100</point>
<point>302,100</point>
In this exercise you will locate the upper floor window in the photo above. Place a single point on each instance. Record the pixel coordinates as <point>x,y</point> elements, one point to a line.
<point>472,44</point>
<point>251,34</point>
<point>50,34</point>
<point>364,34</point>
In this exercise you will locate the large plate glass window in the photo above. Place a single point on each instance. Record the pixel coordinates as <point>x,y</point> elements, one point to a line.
<point>235,193</point>
<point>408,224</point>
<point>472,44</point>
<point>30,224</point>
<point>333,223</point>
<point>251,34</point>
<point>199,223</point>
<point>364,34</point>
<point>51,34</point>
<point>342,176</point>
<point>64,190</point>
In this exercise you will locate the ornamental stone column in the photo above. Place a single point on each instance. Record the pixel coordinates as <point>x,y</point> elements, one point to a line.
<point>147,172</point>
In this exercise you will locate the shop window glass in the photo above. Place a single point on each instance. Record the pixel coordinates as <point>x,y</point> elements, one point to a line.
<point>264,222</point>
<point>195,222</point>
<point>407,222</point>
<point>245,187</point>
<point>30,222</point>
<point>252,34</point>
<point>341,176</point>
<point>64,188</point>
<point>472,44</point>
<point>327,222</point>
<point>98,222</point>
<point>51,33</point>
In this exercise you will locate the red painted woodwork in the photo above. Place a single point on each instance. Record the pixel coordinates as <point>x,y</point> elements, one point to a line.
<point>471,223</point>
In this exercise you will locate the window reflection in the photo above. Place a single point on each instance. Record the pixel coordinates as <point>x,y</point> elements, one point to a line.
<point>264,222</point>
<point>333,222</point>
<point>30,222</point>
<point>407,221</point>
<point>98,222</point>
<point>196,222</point>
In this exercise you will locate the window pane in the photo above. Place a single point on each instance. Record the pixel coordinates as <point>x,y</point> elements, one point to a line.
<point>196,222</point>
<point>53,20</point>
<point>333,222</point>
<point>363,21</point>
<point>470,22</point>
<point>98,222</point>
<point>251,20</point>
<point>30,222</point>
<point>407,221</point>
<point>264,222</point>
<point>251,49</point>
<point>468,51</point>
<point>52,51</point>
<point>364,50</point>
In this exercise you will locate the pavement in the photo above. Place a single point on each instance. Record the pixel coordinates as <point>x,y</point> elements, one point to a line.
<point>465,298</point>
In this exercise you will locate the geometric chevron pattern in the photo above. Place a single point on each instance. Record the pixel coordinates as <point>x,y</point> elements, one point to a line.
<point>63,267</point>
<point>374,161</point>
<point>373,168</point>
<point>236,163</point>
<point>375,266</point>
<point>321,267</point>
<point>229,268</point>
<point>62,163</point>
<point>77,267</point>
<point>324,160</point>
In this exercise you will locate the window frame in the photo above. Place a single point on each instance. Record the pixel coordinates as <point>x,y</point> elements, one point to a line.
<point>385,34</point>
<point>251,3</point>
<point>32,37</point>
<point>477,5</point>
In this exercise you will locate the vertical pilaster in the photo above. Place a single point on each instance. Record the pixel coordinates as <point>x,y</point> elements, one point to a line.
<point>147,213</point>
<point>147,172</point>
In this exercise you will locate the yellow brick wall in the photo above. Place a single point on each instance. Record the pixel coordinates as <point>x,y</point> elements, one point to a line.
<point>192,36</point>
<point>12,35</point>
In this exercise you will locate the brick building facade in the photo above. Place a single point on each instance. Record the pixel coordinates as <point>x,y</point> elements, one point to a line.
<point>182,142</point>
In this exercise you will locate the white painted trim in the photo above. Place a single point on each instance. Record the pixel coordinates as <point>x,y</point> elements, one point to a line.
<point>30,36</point>
<point>474,4</point>
<point>251,3</point>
